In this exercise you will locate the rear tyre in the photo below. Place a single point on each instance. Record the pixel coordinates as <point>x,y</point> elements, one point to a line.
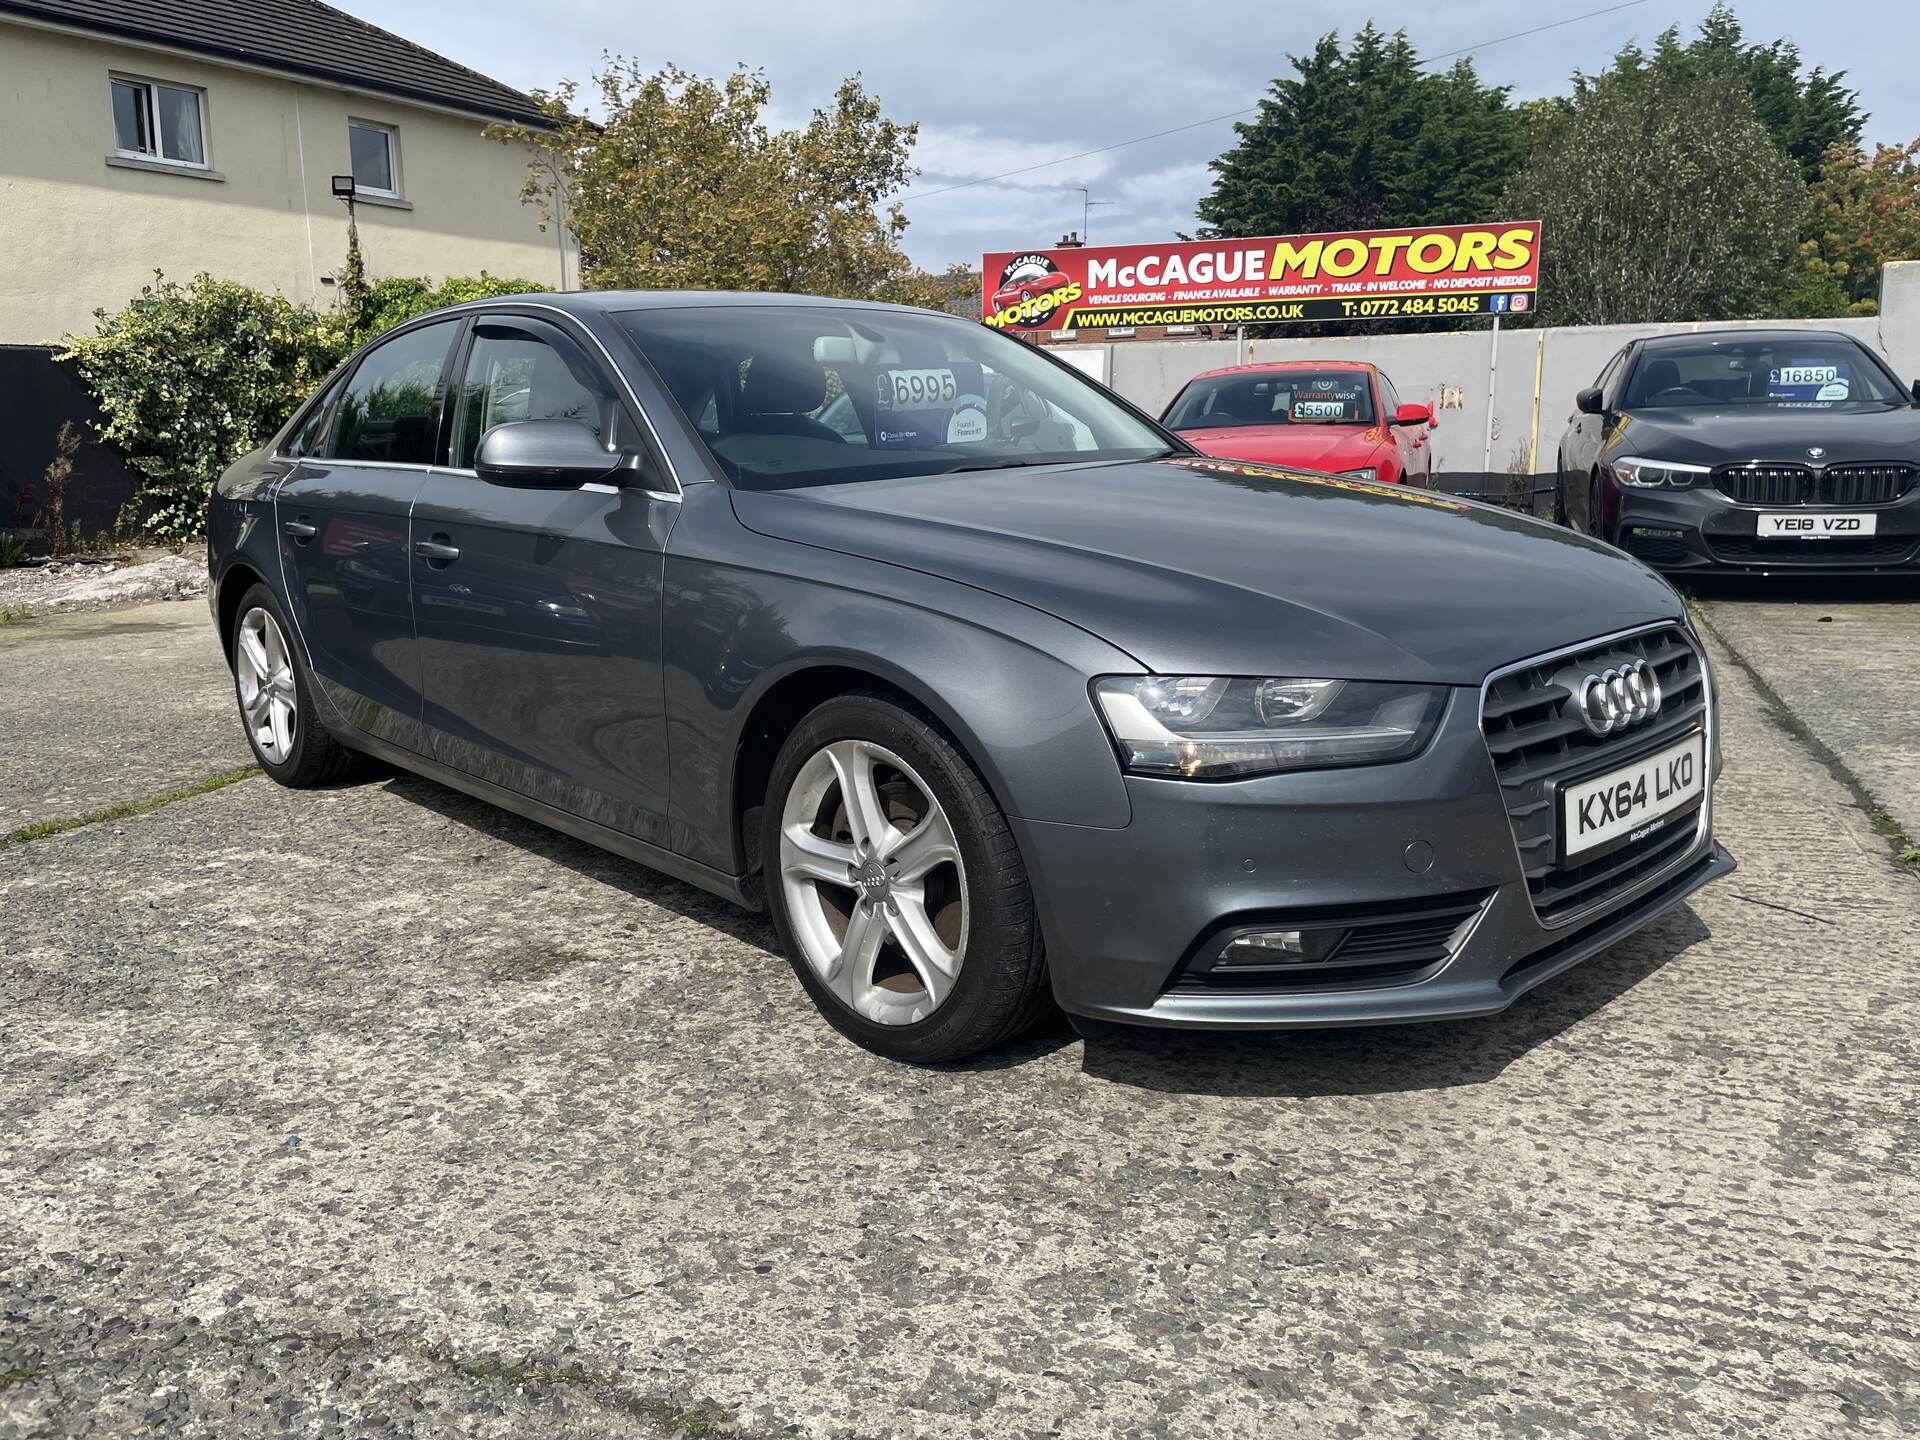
<point>896,887</point>
<point>275,692</point>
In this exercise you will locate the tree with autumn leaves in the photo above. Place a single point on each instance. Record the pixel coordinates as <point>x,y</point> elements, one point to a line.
<point>682,184</point>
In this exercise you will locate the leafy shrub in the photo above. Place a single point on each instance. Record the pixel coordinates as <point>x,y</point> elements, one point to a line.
<point>191,377</point>
<point>391,301</point>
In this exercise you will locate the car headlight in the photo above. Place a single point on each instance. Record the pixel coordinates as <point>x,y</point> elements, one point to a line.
<point>1365,472</point>
<point>1212,727</point>
<point>1646,474</point>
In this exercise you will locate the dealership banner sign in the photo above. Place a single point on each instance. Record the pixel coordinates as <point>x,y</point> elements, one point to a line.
<point>1350,275</point>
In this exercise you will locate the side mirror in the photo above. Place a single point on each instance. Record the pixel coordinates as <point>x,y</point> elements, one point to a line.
<point>1411,414</point>
<point>543,454</point>
<point>1587,402</point>
<point>1916,392</point>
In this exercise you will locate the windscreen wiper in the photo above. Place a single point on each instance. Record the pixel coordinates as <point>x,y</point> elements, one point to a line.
<point>1007,462</point>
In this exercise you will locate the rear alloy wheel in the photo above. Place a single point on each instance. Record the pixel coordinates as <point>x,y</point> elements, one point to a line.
<point>276,699</point>
<point>896,887</point>
<point>263,675</point>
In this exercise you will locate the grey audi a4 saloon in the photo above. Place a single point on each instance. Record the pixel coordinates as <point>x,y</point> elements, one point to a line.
<point>993,693</point>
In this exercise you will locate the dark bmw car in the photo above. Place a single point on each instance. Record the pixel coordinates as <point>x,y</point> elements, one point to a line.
<point>1748,450</point>
<point>990,690</point>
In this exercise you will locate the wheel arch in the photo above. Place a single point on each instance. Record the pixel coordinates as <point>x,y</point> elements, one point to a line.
<point>239,577</point>
<point>787,697</point>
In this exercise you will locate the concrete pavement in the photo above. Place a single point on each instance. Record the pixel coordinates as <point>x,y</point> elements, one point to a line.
<point>376,1111</point>
<point>102,708</point>
<point>1842,658</point>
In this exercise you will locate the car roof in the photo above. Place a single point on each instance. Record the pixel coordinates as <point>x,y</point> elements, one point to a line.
<point>605,302</point>
<point>1276,367</point>
<point>1751,333</point>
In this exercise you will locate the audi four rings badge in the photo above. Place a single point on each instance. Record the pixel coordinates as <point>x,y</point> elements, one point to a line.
<point>1614,699</point>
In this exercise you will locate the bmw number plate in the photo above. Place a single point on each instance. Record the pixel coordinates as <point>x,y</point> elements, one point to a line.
<point>1815,526</point>
<point>1634,801</point>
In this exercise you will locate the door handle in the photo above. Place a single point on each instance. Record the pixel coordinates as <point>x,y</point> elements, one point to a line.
<point>299,529</point>
<point>436,551</point>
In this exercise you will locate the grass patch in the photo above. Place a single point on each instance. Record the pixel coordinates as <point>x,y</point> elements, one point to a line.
<point>14,614</point>
<point>41,830</point>
<point>10,1378</point>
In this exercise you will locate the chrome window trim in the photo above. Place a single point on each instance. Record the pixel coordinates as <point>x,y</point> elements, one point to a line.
<point>594,487</point>
<point>1703,826</point>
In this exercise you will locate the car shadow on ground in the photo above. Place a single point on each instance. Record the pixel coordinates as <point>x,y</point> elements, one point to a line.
<point>1371,1060</point>
<point>596,864</point>
<point>1784,589</point>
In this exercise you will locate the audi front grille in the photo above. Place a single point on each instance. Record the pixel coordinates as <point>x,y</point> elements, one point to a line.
<point>1538,742</point>
<point>1803,485</point>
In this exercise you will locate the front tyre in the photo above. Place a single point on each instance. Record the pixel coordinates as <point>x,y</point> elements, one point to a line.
<point>896,886</point>
<point>276,699</point>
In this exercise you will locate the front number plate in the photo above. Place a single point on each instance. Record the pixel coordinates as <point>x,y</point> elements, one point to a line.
<point>1805,526</point>
<point>1635,800</point>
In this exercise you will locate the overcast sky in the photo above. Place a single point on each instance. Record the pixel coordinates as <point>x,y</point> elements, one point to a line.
<point>996,86</point>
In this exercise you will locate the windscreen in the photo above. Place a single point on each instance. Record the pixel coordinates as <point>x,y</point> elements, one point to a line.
<point>1290,397</point>
<point>1816,373</point>
<point>791,395</point>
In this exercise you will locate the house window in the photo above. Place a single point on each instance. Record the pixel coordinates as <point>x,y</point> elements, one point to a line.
<point>376,157</point>
<point>159,122</point>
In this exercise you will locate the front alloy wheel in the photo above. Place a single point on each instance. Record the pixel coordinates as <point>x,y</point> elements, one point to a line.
<point>874,883</point>
<point>896,886</point>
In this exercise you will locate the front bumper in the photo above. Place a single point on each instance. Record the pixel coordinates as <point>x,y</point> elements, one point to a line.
<point>1700,530</point>
<point>1125,911</point>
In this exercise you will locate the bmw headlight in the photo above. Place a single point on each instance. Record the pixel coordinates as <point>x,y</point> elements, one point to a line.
<point>1213,727</point>
<point>1365,472</point>
<point>1646,474</point>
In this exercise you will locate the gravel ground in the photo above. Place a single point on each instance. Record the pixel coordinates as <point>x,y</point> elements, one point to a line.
<point>376,1111</point>
<point>66,589</point>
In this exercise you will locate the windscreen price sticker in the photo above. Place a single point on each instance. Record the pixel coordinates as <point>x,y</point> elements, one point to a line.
<point>1805,375</point>
<point>917,389</point>
<point>930,405</point>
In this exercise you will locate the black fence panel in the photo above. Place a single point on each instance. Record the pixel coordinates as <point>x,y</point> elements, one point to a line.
<point>37,396</point>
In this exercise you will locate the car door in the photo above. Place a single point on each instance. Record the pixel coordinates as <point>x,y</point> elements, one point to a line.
<point>538,609</point>
<point>342,518</point>
<point>1580,450</point>
<point>1416,456</point>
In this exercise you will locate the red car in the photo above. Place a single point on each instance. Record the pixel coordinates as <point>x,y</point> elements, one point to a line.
<point>1313,414</point>
<point>1026,288</point>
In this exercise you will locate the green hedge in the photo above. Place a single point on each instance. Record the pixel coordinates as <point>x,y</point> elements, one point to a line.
<point>191,377</point>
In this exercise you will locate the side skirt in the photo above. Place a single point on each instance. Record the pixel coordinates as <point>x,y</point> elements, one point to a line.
<point>718,882</point>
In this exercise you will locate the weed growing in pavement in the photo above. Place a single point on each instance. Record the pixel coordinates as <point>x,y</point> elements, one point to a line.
<point>1906,854</point>
<point>41,830</point>
<point>14,614</point>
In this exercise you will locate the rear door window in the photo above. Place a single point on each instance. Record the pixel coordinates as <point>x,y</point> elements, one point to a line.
<point>390,409</point>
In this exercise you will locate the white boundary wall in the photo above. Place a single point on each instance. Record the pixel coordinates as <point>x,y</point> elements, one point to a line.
<point>1538,371</point>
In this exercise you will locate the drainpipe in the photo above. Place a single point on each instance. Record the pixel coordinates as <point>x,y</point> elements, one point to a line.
<point>1493,371</point>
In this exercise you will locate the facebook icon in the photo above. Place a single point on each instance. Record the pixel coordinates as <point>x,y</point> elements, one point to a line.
<point>1497,303</point>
